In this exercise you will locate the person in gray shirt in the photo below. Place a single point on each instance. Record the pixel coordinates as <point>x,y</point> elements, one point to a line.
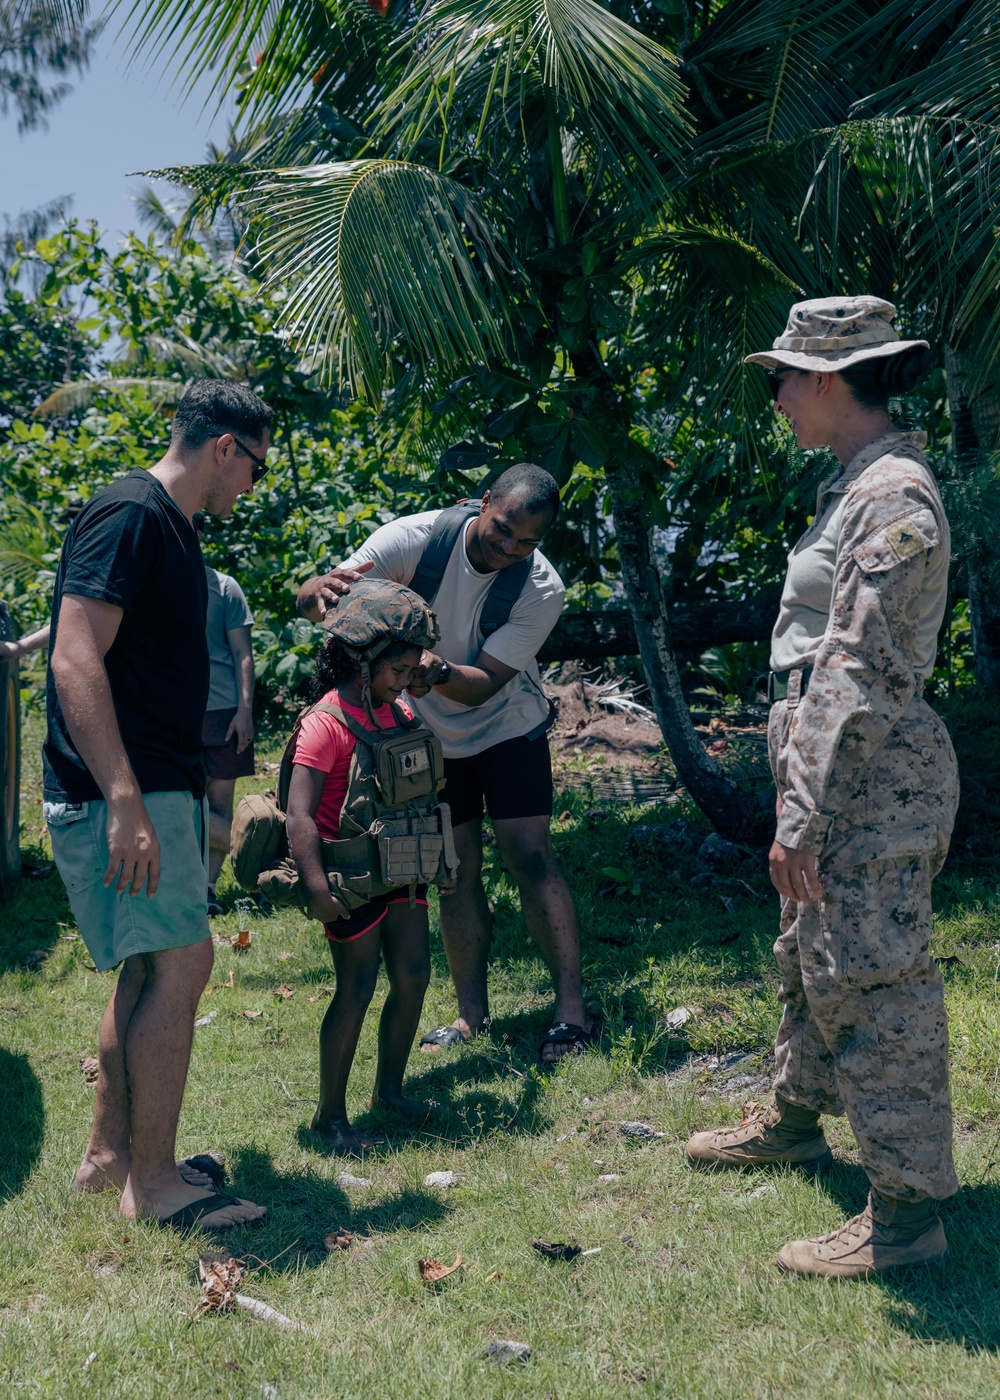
<point>227,734</point>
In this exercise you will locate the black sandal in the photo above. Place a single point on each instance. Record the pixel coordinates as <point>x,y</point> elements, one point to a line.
<point>443,1037</point>
<point>189,1215</point>
<point>563,1033</point>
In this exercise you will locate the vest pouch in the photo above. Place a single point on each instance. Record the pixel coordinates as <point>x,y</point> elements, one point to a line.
<point>407,764</point>
<point>352,890</point>
<point>258,839</point>
<point>354,855</point>
<point>409,849</point>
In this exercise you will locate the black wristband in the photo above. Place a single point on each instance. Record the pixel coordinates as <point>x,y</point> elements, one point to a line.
<point>444,675</point>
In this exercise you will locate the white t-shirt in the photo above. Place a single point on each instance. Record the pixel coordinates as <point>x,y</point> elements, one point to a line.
<point>518,706</point>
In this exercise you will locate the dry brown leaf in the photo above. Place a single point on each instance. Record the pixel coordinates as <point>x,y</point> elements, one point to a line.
<point>252,1015</point>
<point>325,991</point>
<point>221,1276</point>
<point>243,939</point>
<point>231,983</point>
<point>338,1238</point>
<point>90,1068</point>
<point>433,1271</point>
<point>490,1277</point>
<point>284,991</point>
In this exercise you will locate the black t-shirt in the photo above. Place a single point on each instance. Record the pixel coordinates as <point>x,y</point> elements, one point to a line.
<point>133,546</point>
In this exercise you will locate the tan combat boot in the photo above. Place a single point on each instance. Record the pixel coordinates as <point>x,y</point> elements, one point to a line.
<point>888,1234</point>
<point>781,1135</point>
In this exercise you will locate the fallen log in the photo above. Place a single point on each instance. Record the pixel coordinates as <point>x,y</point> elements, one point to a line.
<point>694,627</point>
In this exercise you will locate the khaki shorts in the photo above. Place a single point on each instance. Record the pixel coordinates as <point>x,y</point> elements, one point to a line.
<point>118,926</point>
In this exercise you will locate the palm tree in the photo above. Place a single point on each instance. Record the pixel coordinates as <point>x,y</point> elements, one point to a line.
<point>458,207</point>
<point>499,215</point>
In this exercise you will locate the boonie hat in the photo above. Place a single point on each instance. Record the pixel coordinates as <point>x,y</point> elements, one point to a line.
<point>832,333</point>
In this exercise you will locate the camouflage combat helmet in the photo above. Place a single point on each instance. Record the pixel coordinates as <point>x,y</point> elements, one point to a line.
<point>371,617</point>
<point>377,613</point>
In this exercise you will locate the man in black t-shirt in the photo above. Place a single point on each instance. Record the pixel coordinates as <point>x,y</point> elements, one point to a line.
<point>125,789</point>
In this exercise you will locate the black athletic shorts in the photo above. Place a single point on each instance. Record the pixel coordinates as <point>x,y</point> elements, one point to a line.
<point>513,779</point>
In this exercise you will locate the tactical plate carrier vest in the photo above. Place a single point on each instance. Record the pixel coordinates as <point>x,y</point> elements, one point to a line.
<point>393,830</point>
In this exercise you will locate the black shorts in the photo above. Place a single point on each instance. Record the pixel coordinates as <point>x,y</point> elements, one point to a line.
<point>221,759</point>
<point>513,779</point>
<point>363,920</point>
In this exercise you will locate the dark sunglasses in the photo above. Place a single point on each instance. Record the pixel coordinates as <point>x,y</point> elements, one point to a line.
<point>259,463</point>
<point>773,378</point>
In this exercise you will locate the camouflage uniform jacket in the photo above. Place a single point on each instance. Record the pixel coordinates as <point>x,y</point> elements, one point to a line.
<point>864,767</point>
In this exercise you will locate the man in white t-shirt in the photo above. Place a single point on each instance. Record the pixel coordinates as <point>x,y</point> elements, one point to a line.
<point>484,700</point>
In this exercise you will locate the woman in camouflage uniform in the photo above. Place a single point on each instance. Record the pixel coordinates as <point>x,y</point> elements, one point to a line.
<point>867,791</point>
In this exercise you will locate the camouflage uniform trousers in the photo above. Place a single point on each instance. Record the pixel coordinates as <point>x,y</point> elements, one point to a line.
<point>864,1028</point>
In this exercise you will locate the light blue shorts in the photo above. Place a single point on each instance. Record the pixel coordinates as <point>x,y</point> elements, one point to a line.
<point>118,926</point>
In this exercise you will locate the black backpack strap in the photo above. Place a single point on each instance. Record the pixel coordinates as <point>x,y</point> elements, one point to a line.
<point>445,531</point>
<point>503,594</point>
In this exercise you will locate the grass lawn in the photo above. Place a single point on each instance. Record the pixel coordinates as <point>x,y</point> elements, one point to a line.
<point>683,1299</point>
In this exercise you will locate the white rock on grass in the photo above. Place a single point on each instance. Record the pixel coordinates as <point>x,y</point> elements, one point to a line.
<point>443,1179</point>
<point>206,1020</point>
<point>503,1353</point>
<point>639,1130</point>
<point>678,1017</point>
<point>346,1179</point>
<point>609,1176</point>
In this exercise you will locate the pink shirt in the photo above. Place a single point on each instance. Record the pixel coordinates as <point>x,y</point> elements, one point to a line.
<point>324,744</point>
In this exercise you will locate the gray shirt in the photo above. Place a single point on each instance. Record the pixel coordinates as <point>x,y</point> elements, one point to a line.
<point>227,609</point>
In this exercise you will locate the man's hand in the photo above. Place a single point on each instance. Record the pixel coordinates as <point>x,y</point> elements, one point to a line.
<point>133,848</point>
<point>318,595</point>
<point>447,887</point>
<point>426,675</point>
<point>325,908</point>
<point>242,726</point>
<point>795,874</point>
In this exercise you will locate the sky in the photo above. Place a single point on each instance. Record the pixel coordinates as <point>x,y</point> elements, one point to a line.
<point>112,122</point>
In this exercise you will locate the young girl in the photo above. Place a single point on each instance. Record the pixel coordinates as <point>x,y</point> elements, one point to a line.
<point>389,926</point>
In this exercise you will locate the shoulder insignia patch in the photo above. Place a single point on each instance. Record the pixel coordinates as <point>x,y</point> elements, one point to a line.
<point>905,539</point>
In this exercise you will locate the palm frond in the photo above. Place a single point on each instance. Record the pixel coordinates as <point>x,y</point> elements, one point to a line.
<point>81,393</point>
<point>610,81</point>
<point>24,542</point>
<point>378,252</point>
<point>270,46</point>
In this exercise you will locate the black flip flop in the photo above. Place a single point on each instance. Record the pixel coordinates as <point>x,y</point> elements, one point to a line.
<point>189,1215</point>
<point>444,1037</point>
<point>563,1033</point>
<point>205,1163</point>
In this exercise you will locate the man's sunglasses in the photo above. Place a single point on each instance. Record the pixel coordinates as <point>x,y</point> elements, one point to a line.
<point>259,463</point>
<point>773,378</point>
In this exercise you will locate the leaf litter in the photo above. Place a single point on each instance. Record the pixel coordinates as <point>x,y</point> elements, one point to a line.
<point>221,1276</point>
<point>433,1271</point>
<point>90,1068</point>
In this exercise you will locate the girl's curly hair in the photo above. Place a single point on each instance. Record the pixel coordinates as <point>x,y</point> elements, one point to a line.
<point>334,666</point>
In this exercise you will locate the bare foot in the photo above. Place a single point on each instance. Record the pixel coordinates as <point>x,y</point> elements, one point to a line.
<point>160,1203</point>
<point>111,1173</point>
<point>409,1107</point>
<point>338,1134</point>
